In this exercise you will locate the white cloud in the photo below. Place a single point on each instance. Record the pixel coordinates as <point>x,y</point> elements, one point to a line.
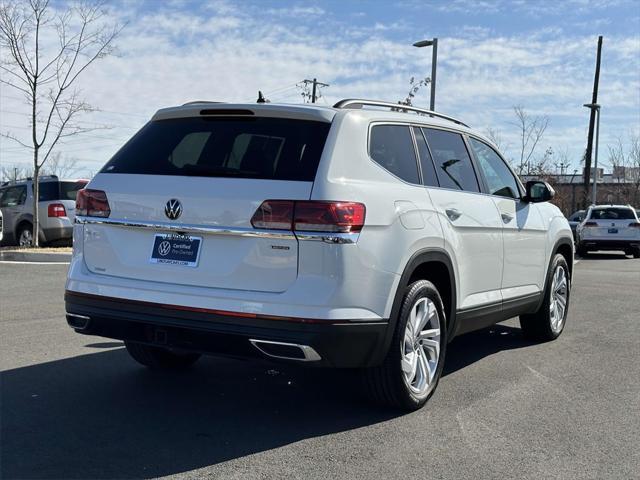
<point>223,52</point>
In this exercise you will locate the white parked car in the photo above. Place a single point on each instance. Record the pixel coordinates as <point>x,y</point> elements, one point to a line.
<point>353,236</point>
<point>609,227</point>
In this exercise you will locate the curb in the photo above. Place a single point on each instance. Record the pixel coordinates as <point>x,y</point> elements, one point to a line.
<point>35,257</point>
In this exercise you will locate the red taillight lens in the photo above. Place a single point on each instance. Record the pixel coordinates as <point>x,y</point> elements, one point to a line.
<point>274,215</point>
<point>309,216</point>
<point>329,217</point>
<point>591,224</point>
<point>56,210</point>
<point>634,224</point>
<point>92,203</point>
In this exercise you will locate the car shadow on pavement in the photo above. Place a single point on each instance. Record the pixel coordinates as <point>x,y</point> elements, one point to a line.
<point>103,416</point>
<point>472,347</point>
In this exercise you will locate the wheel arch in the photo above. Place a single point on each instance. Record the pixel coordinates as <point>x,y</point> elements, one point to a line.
<point>434,265</point>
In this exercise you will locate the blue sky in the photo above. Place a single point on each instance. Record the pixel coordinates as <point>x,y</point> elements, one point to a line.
<point>492,55</point>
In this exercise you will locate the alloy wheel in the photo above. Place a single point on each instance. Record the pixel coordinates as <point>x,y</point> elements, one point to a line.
<point>559,297</point>
<point>26,238</point>
<point>420,349</point>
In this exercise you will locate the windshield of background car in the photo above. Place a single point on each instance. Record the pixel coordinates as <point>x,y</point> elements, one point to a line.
<point>612,214</point>
<point>242,147</point>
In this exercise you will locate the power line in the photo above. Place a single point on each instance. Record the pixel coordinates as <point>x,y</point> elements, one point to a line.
<point>315,94</point>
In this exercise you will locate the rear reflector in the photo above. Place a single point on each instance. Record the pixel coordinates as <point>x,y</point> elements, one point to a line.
<point>591,224</point>
<point>309,216</point>
<point>634,224</point>
<point>56,210</point>
<point>92,203</point>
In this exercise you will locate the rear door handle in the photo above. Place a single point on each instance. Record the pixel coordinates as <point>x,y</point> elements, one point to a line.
<point>453,213</point>
<point>506,217</point>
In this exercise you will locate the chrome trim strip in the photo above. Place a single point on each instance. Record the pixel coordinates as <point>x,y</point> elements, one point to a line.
<point>75,315</point>
<point>186,228</point>
<point>335,238</point>
<point>310,355</point>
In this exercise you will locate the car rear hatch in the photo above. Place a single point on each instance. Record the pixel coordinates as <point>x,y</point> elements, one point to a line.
<point>201,179</point>
<point>58,198</point>
<point>612,223</point>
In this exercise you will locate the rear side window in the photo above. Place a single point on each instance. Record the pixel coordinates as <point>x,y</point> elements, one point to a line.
<point>500,180</point>
<point>13,196</point>
<point>391,147</point>
<point>59,190</point>
<point>246,147</point>
<point>612,214</point>
<point>452,161</point>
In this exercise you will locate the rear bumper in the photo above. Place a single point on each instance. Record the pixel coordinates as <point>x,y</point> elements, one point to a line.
<point>594,244</point>
<point>338,343</point>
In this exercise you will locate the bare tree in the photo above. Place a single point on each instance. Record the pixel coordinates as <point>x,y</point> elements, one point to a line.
<point>530,132</point>
<point>625,165</point>
<point>414,87</point>
<point>60,167</point>
<point>46,74</point>
<point>12,173</point>
<point>495,136</point>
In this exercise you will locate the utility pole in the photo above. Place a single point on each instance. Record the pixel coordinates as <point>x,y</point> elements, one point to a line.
<point>314,89</point>
<point>592,121</point>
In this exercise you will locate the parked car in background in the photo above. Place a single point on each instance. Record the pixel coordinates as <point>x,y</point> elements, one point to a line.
<point>575,219</point>
<point>357,236</point>
<point>609,227</point>
<point>56,209</point>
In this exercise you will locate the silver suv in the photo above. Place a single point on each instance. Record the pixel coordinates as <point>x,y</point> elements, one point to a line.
<point>56,209</point>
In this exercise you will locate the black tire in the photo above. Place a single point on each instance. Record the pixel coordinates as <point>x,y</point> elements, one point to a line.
<point>581,251</point>
<point>386,383</point>
<point>159,358</point>
<point>636,253</point>
<point>539,326</point>
<point>25,228</point>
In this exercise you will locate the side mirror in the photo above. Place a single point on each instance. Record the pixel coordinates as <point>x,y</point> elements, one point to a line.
<point>539,191</point>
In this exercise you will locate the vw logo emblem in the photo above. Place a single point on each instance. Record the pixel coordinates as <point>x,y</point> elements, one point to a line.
<point>173,209</point>
<point>164,248</point>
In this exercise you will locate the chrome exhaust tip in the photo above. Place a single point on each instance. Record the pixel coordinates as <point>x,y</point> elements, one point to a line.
<point>286,351</point>
<point>78,322</point>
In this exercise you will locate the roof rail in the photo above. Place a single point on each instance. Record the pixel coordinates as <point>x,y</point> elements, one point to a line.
<point>27,179</point>
<point>359,103</point>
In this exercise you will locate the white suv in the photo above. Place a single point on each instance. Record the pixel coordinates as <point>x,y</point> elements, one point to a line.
<point>609,227</point>
<point>353,236</point>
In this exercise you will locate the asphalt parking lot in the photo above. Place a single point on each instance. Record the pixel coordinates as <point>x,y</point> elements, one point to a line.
<point>77,407</point>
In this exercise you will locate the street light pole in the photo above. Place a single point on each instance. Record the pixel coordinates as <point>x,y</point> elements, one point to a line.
<point>434,62</point>
<point>596,107</point>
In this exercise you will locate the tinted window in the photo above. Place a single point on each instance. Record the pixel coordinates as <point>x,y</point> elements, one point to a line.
<point>428,170</point>
<point>577,216</point>
<point>453,165</point>
<point>392,147</point>
<point>499,178</point>
<point>59,190</point>
<point>612,214</point>
<point>13,196</point>
<point>254,147</point>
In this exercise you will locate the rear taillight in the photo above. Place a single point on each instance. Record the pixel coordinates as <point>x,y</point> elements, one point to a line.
<point>92,203</point>
<point>590,224</point>
<point>56,210</point>
<point>309,216</point>
<point>329,217</point>
<point>635,224</point>
<point>274,215</point>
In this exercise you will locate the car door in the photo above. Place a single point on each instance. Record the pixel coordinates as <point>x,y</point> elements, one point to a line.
<point>11,202</point>
<point>470,221</point>
<point>524,237</point>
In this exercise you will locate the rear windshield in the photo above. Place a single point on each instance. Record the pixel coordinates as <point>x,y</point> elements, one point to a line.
<point>613,214</point>
<point>59,190</point>
<point>254,147</point>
